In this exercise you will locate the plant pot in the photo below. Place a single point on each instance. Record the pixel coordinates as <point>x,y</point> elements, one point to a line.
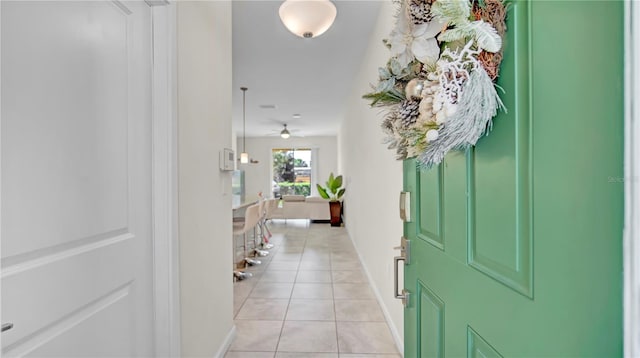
<point>335,208</point>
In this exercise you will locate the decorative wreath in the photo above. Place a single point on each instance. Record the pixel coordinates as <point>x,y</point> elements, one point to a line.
<point>438,87</point>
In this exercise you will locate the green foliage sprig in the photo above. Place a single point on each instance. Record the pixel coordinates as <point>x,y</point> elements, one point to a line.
<point>333,191</point>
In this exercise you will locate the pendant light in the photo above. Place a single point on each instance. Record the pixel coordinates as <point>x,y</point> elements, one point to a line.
<point>244,156</point>
<point>285,133</point>
<point>307,18</point>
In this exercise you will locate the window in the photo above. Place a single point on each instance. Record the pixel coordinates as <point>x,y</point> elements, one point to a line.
<point>291,171</point>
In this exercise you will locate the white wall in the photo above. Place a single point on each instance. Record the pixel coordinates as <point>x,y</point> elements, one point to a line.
<point>258,176</point>
<point>373,177</point>
<point>204,128</point>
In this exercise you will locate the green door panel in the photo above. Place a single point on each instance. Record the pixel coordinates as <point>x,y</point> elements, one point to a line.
<point>430,212</point>
<point>516,245</point>
<point>431,329</point>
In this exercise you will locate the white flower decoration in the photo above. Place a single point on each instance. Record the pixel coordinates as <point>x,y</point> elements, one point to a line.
<point>409,41</point>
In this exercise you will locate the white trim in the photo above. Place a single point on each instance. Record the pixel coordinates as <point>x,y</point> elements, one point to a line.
<point>399,340</point>
<point>227,343</point>
<point>632,182</point>
<point>315,155</point>
<point>165,223</point>
<point>1,316</point>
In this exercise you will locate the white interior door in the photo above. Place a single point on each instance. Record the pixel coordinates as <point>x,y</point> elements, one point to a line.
<point>76,184</point>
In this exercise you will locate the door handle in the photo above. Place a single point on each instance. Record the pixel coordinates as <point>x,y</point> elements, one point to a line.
<point>6,326</point>
<point>404,295</point>
<point>405,257</point>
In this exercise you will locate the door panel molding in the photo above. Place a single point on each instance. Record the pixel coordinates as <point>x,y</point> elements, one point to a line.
<point>120,5</point>
<point>90,172</point>
<point>431,323</point>
<point>500,243</point>
<point>39,338</point>
<point>28,261</point>
<point>478,347</point>
<point>430,217</point>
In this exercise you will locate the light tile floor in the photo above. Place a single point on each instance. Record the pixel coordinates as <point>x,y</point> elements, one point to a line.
<point>309,298</point>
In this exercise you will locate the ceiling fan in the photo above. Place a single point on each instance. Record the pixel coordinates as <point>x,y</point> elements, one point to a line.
<point>284,133</point>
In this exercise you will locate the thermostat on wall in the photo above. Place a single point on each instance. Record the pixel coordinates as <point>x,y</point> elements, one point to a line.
<point>227,159</point>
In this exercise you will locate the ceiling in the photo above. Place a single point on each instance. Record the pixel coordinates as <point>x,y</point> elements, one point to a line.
<point>310,77</point>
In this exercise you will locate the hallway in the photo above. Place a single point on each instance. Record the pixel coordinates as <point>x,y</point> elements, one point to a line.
<point>309,298</point>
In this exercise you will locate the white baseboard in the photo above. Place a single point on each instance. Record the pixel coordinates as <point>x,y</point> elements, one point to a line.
<point>227,343</point>
<point>387,316</point>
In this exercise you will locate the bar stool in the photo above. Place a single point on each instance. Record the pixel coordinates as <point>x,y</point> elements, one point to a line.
<point>259,249</point>
<point>270,207</point>
<point>264,239</point>
<point>251,219</point>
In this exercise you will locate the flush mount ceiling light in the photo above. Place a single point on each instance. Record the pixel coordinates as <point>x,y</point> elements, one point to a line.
<point>308,18</point>
<point>244,156</point>
<point>285,133</point>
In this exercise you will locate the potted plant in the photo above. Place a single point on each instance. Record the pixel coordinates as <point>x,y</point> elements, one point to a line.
<point>333,192</point>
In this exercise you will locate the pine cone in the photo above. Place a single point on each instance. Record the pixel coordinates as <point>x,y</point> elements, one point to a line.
<point>408,112</point>
<point>494,13</point>
<point>420,11</point>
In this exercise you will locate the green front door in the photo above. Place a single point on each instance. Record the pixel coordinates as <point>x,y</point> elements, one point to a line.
<point>516,245</point>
